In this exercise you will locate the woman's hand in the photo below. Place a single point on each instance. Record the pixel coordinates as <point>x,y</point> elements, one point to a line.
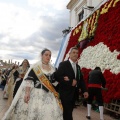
<point>27,97</point>
<point>66,78</point>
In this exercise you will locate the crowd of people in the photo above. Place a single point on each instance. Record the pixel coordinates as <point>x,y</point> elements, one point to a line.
<point>11,79</point>
<point>41,91</point>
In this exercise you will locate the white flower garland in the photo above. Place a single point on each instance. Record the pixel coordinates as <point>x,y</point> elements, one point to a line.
<point>100,55</point>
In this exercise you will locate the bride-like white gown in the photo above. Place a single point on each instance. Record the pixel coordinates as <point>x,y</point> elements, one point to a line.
<point>41,106</point>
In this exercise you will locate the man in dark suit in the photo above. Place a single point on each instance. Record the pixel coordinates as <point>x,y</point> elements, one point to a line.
<point>69,76</point>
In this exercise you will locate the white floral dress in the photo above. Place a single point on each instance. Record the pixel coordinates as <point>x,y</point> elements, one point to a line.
<point>42,106</point>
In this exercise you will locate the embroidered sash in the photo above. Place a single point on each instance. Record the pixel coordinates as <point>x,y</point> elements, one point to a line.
<point>44,80</point>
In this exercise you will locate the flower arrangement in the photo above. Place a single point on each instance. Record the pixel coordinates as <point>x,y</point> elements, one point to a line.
<point>104,49</point>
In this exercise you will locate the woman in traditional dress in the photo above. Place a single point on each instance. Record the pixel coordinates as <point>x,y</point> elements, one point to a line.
<point>4,84</point>
<point>20,72</point>
<point>11,84</point>
<point>36,98</point>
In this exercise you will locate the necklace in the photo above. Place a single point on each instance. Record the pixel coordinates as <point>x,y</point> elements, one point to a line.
<point>45,64</point>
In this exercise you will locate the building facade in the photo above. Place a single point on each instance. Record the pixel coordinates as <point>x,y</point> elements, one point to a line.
<point>81,9</point>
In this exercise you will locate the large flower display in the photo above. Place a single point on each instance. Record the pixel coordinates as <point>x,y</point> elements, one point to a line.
<point>99,45</point>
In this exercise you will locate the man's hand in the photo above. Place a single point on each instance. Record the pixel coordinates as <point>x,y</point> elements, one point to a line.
<point>74,82</point>
<point>85,94</point>
<point>66,78</point>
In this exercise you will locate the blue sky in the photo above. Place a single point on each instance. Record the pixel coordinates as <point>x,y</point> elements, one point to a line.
<point>28,26</point>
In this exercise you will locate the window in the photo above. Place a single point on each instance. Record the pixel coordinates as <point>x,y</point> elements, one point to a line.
<point>80,15</point>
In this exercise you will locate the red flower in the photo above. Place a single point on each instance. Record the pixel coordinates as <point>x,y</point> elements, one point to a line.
<point>118,57</point>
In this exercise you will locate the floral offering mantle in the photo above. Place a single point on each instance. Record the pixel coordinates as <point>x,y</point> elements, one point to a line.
<point>98,39</point>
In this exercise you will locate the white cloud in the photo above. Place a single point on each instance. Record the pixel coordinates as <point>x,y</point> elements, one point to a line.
<point>26,29</point>
<point>5,39</point>
<point>48,4</point>
<point>16,22</point>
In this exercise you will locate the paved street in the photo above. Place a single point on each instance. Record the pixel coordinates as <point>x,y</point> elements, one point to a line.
<point>79,112</point>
